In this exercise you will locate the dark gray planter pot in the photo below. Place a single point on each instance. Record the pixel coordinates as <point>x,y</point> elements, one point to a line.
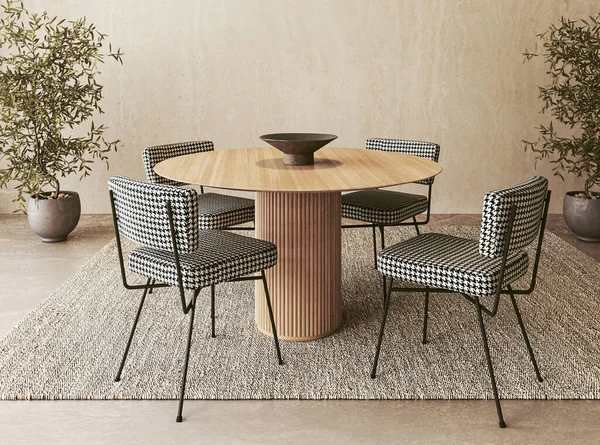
<point>53,219</point>
<point>582,216</point>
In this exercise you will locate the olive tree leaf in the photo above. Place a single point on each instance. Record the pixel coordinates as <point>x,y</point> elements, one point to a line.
<point>48,91</point>
<point>571,52</point>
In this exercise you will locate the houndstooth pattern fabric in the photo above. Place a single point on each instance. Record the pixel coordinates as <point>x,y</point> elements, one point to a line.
<point>449,262</point>
<point>382,207</point>
<point>158,153</point>
<point>221,256</point>
<point>529,198</point>
<point>221,211</point>
<point>215,211</point>
<point>427,150</point>
<point>141,211</point>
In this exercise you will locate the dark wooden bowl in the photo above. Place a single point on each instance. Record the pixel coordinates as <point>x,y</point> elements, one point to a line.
<point>298,148</point>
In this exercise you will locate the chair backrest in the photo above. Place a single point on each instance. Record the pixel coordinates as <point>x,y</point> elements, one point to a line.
<point>158,153</point>
<point>529,198</point>
<point>141,212</point>
<point>427,150</point>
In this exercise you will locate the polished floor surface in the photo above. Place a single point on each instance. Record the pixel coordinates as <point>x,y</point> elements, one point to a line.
<point>31,270</point>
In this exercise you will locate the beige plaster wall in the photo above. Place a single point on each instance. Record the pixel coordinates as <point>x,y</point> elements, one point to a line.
<point>448,71</point>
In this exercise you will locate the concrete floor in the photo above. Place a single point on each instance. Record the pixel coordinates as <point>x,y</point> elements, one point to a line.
<point>31,270</point>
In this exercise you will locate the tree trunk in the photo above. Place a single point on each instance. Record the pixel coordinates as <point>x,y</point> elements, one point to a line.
<point>589,183</point>
<point>54,183</point>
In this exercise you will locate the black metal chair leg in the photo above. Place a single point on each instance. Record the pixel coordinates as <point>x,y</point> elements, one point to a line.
<point>416,225</point>
<point>375,243</point>
<point>374,247</point>
<point>384,288</point>
<point>212,310</point>
<point>386,306</point>
<point>137,317</point>
<point>425,316</point>
<point>264,280</point>
<point>489,363</point>
<point>187,358</point>
<point>525,337</point>
<point>152,285</point>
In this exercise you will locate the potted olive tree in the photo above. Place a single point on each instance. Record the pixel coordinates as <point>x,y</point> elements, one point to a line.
<point>571,140</point>
<point>49,94</point>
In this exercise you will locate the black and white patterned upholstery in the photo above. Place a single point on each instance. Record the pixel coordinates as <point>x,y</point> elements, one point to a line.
<point>206,256</point>
<point>386,207</point>
<point>221,211</point>
<point>158,153</point>
<point>529,198</point>
<point>469,266</point>
<point>141,211</point>
<point>449,262</point>
<point>382,207</point>
<point>221,256</point>
<point>216,211</point>
<point>427,150</point>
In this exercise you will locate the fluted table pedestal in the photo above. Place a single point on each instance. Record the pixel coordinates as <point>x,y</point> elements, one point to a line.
<point>305,285</point>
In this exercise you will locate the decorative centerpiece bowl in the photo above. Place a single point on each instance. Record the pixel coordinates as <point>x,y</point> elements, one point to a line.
<point>298,148</point>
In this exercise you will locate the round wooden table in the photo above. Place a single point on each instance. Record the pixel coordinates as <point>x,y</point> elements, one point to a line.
<point>298,208</point>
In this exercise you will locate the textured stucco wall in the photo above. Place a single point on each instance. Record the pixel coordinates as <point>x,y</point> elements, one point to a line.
<point>448,71</point>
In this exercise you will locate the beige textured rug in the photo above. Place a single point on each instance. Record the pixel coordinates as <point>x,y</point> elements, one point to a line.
<point>71,345</point>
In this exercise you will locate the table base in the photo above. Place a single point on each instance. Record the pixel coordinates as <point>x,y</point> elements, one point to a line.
<point>305,285</point>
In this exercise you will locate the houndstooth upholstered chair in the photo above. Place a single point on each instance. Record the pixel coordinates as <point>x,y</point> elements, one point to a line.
<point>512,218</point>
<point>174,252</point>
<point>216,211</point>
<point>381,208</point>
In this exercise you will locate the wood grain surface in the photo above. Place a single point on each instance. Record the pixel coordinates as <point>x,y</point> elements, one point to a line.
<point>262,170</point>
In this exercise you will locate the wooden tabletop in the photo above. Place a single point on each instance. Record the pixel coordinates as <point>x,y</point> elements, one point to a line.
<point>262,170</point>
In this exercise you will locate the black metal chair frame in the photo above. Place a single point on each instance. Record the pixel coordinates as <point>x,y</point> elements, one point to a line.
<point>185,305</point>
<point>388,289</point>
<point>415,223</point>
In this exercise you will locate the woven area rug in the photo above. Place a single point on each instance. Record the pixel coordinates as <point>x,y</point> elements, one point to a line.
<point>71,345</point>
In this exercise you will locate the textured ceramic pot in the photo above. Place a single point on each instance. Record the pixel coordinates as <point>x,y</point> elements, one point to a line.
<point>582,216</point>
<point>53,219</point>
<point>298,148</point>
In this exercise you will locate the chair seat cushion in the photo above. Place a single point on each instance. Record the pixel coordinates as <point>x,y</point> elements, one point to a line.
<point>221,256</point>
<point>449,262</point>
<point>382,207</point>
<point>216,211</point>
